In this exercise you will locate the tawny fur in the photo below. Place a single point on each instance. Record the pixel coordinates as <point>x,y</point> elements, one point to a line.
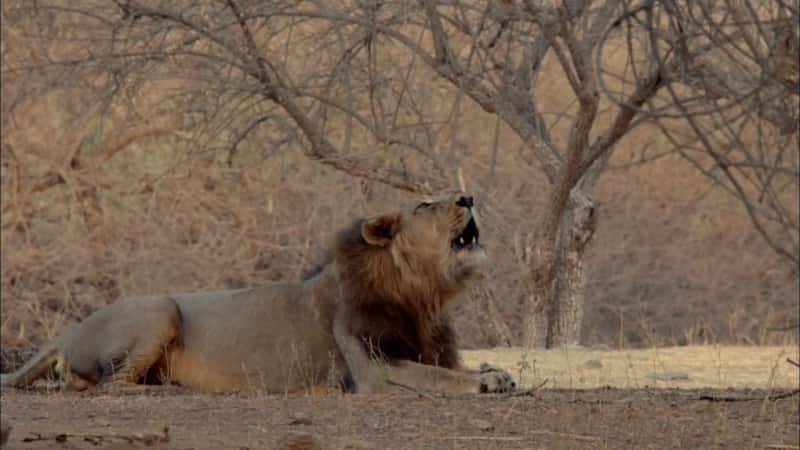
<point>375,316</point>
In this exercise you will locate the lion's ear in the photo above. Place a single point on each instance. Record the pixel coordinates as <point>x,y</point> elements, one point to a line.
<point>380,230</point>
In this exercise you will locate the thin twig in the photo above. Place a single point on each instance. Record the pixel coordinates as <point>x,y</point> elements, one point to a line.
<point>575,437</point>
<point>728,398</point>
<point>792,362</point>
<point>526,392</point>
<point>414,390</point>
<point>480,438</point>
<point>558,434</point>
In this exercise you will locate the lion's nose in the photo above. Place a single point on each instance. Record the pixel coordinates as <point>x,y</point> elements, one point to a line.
<point>465,201</point>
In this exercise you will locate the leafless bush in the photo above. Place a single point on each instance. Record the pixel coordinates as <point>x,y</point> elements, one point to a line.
<point>731,107</point>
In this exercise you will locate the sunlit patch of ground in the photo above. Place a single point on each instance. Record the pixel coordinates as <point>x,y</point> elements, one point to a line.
<point>684,367</point>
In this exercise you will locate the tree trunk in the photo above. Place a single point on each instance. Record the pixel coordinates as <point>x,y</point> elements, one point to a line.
<point>565,314</point>
<point>534,323</point>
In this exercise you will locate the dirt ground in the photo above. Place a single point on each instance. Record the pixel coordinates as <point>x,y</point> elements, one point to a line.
<point>547,419</point>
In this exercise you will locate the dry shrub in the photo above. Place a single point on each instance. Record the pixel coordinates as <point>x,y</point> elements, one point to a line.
<point>663,269</point>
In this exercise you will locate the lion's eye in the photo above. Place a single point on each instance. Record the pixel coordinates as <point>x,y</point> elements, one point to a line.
<point>423,205</point>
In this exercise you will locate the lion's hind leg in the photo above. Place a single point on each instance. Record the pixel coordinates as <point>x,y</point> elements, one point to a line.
<point>72,381</point>
<point>144,359</point>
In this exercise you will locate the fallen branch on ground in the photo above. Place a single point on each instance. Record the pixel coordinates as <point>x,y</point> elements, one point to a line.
<point>479,438</point>
<point>556,434</point>
<point>794,363</point>
<point>574,437</point>
<point>427,395</point>
<point>526,392</point>
<point>731,398</point>
<point>147,439</point>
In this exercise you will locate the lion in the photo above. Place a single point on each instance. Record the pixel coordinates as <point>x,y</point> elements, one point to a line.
<point>375,316</point>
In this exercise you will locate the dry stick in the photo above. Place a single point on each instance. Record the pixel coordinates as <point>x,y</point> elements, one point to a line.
<point>558,434</point>
<point>794,363</point>
<point>147,439</point>
<point>526,392</point>
<point>414,390</point>
<point>726,398</point>
<point>479,438</point>
<point>576,437</point>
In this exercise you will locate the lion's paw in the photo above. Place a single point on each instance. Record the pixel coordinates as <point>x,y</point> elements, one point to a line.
<point>494,379</point>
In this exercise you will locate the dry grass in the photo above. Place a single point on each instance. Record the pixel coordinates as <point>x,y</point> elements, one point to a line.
<point>709,366</point>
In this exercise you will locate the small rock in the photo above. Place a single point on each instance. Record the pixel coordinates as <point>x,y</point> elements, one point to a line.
<point>299,440</point>
<point>299,418</point>
<point>483,425</point>
<point>593,364</point>
<point>668,376</point>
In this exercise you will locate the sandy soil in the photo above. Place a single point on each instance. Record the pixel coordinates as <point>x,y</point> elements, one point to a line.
<point>691,367</point>
<point>549,419</point>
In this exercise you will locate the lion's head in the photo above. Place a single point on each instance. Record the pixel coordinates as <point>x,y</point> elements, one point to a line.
<point>424,255</point>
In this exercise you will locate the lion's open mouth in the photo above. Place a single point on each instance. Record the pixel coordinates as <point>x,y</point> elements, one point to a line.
<point>468,238</point>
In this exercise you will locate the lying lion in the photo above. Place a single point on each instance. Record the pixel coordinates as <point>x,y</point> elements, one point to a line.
<point>373,317</point>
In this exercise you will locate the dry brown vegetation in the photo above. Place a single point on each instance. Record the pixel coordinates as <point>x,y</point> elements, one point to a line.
<point>106,196</point>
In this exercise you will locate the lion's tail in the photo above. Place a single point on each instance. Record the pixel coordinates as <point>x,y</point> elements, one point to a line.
<point>34,369</point>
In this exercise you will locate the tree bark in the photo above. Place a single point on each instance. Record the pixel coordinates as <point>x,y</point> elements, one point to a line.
<point>566,314</point>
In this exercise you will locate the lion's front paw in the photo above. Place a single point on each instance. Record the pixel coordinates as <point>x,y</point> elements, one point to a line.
<point>494,379</point>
